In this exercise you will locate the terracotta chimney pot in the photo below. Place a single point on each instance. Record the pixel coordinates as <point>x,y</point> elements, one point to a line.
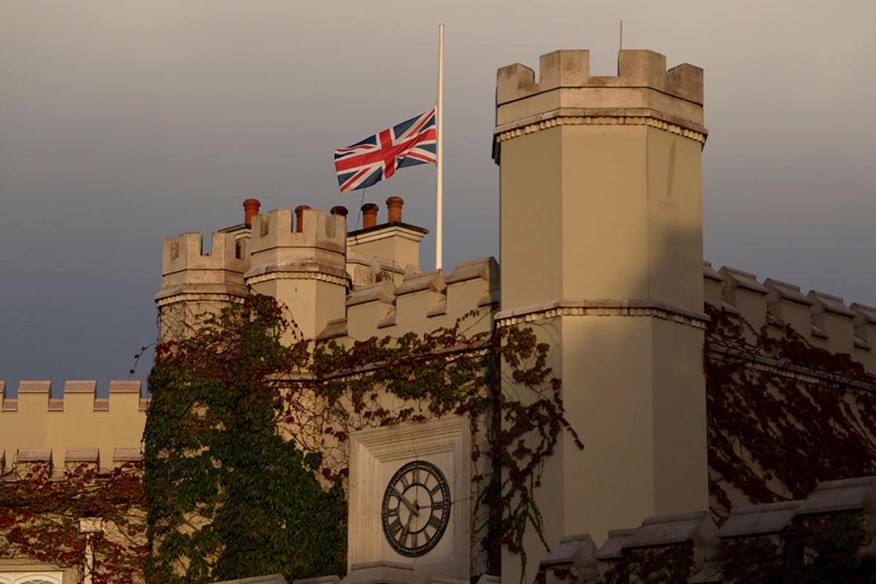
<point>369,215</point>
<point>299,217</point>
<point>339,210</point>
<point>394,205</point>
<point>250,209</point>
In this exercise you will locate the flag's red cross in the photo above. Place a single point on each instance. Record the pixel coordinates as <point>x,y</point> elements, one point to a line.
<point>364,159</point>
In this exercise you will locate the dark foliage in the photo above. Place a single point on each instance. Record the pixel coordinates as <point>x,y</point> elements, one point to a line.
<point>246,441</point>
<point>40,513</point>
<point>783,415</point>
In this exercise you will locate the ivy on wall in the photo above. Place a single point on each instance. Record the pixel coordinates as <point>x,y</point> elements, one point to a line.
<point>817,550</point>
<point>227,495</point>
<point>246,448</point>
<point>782,414</point>
<point>673,564</point>
<point>246,437</point>
<point>40,513</point>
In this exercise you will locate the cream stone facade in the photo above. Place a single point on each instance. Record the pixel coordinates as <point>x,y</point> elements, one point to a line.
<point>615,163</point>
<point>601,248</point>
<point>76,428</point>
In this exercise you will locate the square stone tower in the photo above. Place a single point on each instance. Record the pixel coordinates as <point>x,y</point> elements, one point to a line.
<point>601,251</point>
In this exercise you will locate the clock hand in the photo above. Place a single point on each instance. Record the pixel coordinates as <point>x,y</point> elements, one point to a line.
<point>408,526</point>
<point>412,507</point>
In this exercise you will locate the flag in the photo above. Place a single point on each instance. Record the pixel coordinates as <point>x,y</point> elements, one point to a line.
<point>377,157</point>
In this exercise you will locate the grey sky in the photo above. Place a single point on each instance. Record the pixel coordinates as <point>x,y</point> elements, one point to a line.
<point>123,122</point>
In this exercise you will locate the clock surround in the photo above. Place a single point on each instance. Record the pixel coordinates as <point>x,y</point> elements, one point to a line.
<point>376,455</point>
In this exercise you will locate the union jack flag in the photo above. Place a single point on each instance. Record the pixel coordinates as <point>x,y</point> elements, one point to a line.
<point>377,157</point>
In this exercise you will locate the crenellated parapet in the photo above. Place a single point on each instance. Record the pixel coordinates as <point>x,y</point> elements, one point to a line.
<point>195,284</point>
<point>822,319</point>
<point>306,244</point>
<point>188,273</point>
<point>643,92</point>
<point>299,258</point>
<point>422,302</point>
<point>78,427</point>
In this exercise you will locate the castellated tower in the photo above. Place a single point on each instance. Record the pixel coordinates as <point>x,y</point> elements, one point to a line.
<point>297,257</point>
<point>194,284</point>
<point>304,265</point>
<point>601,253</point>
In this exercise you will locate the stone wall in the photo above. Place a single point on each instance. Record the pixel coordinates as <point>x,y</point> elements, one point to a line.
<point>77,427</point>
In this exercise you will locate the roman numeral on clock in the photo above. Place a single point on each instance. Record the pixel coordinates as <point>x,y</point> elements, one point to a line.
<point>394,528</point>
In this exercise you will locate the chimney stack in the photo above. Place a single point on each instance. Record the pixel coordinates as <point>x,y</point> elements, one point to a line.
<point>394,206</point>
<point>369,215</point>
<point>250,209</point>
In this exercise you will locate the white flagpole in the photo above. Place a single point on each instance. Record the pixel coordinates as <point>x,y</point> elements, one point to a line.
<point>439,158</point>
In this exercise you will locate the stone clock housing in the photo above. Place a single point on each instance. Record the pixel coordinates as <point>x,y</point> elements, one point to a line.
<point>410,497</point>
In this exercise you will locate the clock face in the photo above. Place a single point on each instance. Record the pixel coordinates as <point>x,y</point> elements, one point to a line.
<point>416,508</point>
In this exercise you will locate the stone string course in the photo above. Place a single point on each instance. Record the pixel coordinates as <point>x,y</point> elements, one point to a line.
<point>638,308</point>
<point>573,120</point>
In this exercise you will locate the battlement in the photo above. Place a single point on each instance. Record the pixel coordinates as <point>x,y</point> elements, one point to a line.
<point>315,242</point>
<point>822,319</point>
<point>643,92</point>
<point>76,395</point>
<point>422,302</point>
<point>571,69</point>
<point>35,422</point>
<point>186,269</point>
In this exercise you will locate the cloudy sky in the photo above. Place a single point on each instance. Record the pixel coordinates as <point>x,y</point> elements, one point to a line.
<point>123,122</point>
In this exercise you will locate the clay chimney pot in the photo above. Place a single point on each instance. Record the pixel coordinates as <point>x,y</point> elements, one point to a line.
<point>339,210</point>
<point>369,215</point>
<point>394,206</point>
<point>250,209</point>
<point>299,217</point>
